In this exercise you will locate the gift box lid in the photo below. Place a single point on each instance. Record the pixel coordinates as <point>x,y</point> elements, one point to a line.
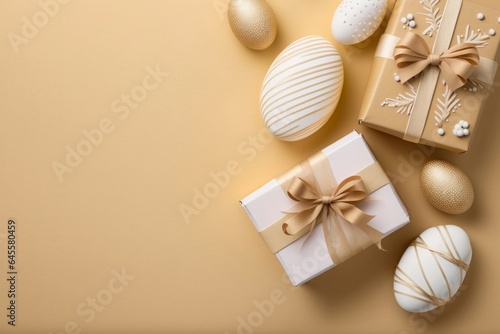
<point>429,105</point>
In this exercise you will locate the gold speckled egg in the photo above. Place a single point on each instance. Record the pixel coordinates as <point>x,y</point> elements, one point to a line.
<point>446,187</point>
<point>253,23</point>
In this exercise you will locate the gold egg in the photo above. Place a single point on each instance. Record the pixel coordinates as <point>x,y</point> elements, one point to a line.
<point>446,187</point>
<point>252,22</point>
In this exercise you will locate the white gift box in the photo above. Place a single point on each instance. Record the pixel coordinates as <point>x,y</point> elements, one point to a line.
<point>306,259</point>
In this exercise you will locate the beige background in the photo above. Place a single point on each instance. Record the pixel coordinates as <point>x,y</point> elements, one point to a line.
<point>119,209</point>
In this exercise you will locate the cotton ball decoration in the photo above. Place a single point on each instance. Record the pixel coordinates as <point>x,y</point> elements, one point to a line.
<point>301,88</point>
<point>432,268</point>
<point>252,22</point>
<point>356,20</point>
<point>446,187</point>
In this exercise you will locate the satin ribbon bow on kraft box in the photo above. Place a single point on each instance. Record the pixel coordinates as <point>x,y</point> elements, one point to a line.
<point>429,84</point>
<point>326,209</point>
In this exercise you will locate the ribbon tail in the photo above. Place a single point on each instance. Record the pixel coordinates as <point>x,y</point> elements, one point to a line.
<point>327,230</point>
<point>313,225</point>
<point>359,219</point>
<point>408,72</point>
<point>324,222</point>
<point>301,220</point>
<point>374,235</point>
<point>453,80</point>
<point>351,213</point>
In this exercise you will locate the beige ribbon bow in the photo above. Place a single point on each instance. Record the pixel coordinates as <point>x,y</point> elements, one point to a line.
<point>313,207</point>
<point>412,56</point>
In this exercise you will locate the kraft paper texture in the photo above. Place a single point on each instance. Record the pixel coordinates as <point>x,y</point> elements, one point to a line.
<point>470,99</point>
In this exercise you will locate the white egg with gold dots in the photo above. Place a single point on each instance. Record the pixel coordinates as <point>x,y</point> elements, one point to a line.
<point>356,20</point>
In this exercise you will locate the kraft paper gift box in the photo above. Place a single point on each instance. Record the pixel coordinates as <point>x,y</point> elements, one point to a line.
<point>438,101</point>
<point>307,250</point>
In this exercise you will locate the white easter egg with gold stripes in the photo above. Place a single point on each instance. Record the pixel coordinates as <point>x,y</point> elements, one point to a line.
<point>302,88</point>
<point>432,269</point>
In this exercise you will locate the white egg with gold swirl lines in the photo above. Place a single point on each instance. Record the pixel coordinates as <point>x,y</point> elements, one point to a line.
<point>432,268</point>
<point>302,88</point>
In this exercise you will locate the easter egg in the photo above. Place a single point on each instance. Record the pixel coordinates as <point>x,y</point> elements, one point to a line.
<point>432,268</point>
<point>252,22</point>
<point>356,20</point>
<point>446,187</point>
<point>301,88</point>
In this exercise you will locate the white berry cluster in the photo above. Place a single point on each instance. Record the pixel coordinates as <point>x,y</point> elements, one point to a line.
<point>461,129</point>
<point>409,21</point>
